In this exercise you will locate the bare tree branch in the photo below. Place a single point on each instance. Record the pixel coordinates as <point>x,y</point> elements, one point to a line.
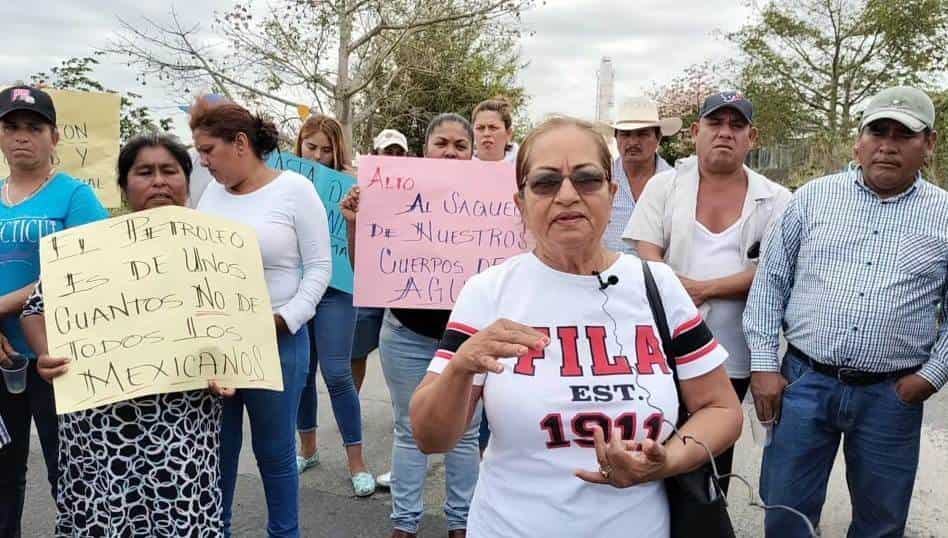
<point>417,25</point>
<point>369,108</point>
<point>220,78</point>
<point>285,54</point>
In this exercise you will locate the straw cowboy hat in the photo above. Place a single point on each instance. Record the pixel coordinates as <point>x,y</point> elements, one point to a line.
<point>641,112</point>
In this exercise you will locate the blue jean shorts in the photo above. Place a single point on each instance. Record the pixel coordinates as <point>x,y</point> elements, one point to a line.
<point>368,326</point>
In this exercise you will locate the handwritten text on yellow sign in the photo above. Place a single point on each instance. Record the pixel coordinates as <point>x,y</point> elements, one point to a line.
<point>157,301</point>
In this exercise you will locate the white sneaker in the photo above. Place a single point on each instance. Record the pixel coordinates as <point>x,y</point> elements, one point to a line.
<point>384,480</point>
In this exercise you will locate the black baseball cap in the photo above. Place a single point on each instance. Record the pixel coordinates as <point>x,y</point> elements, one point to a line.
<point>735,100</point>
<point>27,98</point>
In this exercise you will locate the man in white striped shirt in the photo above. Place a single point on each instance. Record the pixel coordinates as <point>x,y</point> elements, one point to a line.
<point>638,131</point>
<point>854,273</point>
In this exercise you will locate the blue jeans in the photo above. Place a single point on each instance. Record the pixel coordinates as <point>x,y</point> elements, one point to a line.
<point>272,421</point>
<point>880,442</point>
<point>483,436</point>
<point>368,326</point>
<point>405,355</point>
<point>331,343</point>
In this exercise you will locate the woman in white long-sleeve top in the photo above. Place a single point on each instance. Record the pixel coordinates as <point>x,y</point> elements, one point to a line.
<point>293,231</point>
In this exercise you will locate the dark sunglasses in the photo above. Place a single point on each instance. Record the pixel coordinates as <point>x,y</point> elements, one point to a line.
<point>548,183</point>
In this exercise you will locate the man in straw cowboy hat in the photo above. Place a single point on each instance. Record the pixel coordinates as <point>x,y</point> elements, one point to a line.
<point>638,131</point>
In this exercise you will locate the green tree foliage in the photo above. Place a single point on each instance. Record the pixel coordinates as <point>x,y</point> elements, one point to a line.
<point>938,168</point>
<point>809,64</point>
<point>77,74</point>
<point>435,75</point>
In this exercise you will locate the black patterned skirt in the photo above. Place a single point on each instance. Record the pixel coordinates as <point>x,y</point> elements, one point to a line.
<point>143,467</point>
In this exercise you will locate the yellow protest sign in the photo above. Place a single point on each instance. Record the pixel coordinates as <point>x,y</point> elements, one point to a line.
<point>157,301</point>
<point>88,140</point>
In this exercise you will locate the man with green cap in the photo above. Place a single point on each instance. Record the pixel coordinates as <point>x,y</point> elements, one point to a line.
<point>854,273</point>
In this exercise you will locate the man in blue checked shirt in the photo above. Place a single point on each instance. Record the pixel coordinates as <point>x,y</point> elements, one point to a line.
<point>854,273</point>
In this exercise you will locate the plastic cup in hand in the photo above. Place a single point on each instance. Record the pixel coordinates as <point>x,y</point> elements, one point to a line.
<point>14,375</point>
<point>761,431</point>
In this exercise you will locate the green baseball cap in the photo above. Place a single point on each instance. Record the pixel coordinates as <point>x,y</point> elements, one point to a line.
<point>909,106</point>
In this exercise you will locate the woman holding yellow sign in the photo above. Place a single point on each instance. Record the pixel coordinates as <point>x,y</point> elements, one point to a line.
<point>158,452</point>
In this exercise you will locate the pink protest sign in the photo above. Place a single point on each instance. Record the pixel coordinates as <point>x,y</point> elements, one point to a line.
<point>426,225</point>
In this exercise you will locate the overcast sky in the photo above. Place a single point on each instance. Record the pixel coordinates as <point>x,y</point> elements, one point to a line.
<point>649,41</point>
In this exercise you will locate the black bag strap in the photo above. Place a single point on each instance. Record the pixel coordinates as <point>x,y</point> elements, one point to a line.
<point>661,321</point>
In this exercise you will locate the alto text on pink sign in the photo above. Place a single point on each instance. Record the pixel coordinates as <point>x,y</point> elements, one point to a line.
<point>426,225</point>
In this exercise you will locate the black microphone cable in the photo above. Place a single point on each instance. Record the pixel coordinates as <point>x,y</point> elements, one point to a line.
<point>611,281</point>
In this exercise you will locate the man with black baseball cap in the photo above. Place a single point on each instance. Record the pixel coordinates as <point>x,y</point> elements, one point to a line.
<point>29,136</point>
<point>855,273</point>
<point>729,99</point>
<point>35,201</point>
<point>706,219</point>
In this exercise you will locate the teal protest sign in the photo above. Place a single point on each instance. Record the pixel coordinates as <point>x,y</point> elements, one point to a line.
<point>332,186</point>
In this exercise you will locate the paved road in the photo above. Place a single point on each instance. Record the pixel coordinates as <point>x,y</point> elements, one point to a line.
<point>329,510</point>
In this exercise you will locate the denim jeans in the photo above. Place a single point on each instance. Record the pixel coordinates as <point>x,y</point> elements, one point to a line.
<point>483,436</point>
<point>880,443</point>
<point>273,435</point>
<point>36,403</point>
<point>331,345</point>
<point>368,326</point>
<point>405,355</point>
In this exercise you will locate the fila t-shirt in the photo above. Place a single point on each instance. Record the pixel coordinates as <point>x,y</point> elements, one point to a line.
<point>605,365</point>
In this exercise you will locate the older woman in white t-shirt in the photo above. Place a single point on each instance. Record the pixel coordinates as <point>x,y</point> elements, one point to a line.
<point>291,225</point>
<point>562,347</point>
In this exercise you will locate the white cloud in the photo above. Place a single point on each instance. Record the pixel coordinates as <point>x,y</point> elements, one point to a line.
<point>649,41</point>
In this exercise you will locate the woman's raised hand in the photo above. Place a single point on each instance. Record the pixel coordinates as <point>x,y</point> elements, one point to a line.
<point>350,204</point>
<point>503,338</point>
